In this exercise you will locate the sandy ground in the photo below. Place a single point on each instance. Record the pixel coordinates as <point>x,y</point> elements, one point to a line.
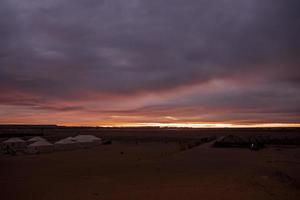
<point>152,171</point>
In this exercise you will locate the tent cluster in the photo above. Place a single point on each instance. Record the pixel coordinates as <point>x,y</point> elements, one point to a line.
<point>37,145</point>
<point>256,142</point>
<point>252,142</point>
<point>79,141</point>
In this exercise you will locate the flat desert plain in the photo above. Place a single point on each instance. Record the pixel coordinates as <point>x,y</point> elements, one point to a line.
<point>153,170</point>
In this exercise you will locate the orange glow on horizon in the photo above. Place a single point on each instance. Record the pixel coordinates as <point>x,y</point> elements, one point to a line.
<point>190,125</point>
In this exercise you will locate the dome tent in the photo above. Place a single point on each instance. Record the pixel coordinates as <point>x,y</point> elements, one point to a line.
<point>14,140</point>
<point>87,137</point>
<point>36,139</point>
<point>15,144</point>
<point>85,141</point>
<point>40,147</point>
<point>66,144</point>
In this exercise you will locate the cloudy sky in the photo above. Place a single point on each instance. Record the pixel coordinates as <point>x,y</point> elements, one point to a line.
<point>101,62</point>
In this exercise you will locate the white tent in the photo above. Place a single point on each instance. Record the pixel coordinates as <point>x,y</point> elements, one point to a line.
<point>87,137</point>
<point>87,140</point>
<point>40,147</point>
<point>14,143</point>
<point>36,139</point>
<point>65,144</point>
<point>71,138</point>
<point>14,140</point>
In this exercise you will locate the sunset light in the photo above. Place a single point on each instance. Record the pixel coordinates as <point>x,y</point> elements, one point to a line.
<point>149,99</point>
<point>145,63</point>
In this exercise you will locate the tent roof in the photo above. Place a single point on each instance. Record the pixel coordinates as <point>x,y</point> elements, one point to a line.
<point>86,138</point>
<point>13,140</point>
<point>40,143</point>
<point>68,140</point>
<point>36,139</point>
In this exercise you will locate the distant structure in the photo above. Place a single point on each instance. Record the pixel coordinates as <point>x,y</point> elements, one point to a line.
<point>254,143</point>
<point>15,144</point>
<point>231,141</point>
<point>36,139</point>
<point>86,141</point>
<point>87,137</point>
<point>40,147</point>
<point>37,144</point>
<point>65,144</point>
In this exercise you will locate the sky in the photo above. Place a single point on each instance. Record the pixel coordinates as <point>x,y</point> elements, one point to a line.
<point>147,62</point>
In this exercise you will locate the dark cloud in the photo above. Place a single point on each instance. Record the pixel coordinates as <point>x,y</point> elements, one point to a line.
<point>61,50</point>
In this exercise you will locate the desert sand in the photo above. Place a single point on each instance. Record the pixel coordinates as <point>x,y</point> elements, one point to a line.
<point>152,170</point>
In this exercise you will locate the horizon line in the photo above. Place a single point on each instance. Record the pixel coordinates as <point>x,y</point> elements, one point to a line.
<point>166,125</point>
